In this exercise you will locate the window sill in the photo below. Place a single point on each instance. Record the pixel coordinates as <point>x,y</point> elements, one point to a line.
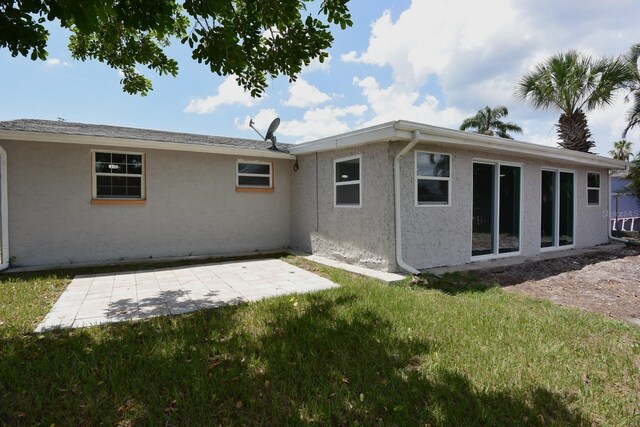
<point>253,190</point>
<point>117,202</point>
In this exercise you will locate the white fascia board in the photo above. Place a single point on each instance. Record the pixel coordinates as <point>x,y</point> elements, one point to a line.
<point>403,130</point>
<point>495,144</point>
<point>138,143</point>
<point>383,132</point>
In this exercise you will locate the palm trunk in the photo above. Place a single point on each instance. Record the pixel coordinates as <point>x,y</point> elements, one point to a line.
<point>574,133</point>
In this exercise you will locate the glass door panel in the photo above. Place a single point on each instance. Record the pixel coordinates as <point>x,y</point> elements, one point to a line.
<point>566,209</point>
<point>509,207</point>
<point>548,203</point>
<point>483,236</point>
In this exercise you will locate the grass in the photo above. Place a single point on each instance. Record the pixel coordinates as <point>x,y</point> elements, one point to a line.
<point>440,351</point>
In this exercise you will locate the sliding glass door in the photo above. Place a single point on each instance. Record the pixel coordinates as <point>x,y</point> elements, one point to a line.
<point>557,209</point>
<point>496,209</point>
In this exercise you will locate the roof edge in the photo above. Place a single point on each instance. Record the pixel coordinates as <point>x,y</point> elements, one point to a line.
<point>137,143</point>
<point>402,130</point>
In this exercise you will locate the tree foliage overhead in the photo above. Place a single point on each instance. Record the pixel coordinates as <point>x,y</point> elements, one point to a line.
<point>573,83</point>
<point>252,39</point>
<point>487,122</point>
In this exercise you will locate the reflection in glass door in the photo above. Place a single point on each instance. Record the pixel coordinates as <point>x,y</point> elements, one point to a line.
<point>548,203</point>
<point>509,209</point>
<point>557,209</point>
<point>483,209</point>
<point>496,209</point>
<point>565,228</point>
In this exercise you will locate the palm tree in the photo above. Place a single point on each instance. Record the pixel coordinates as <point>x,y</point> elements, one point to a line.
<point>634,177</point>
<point>573,84</point>
<point>622,150</point>
<point>487,122</point>
<point>633,85</point>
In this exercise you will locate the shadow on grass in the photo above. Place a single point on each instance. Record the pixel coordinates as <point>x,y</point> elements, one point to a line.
<point>328,360</point>
<point>453,283</point>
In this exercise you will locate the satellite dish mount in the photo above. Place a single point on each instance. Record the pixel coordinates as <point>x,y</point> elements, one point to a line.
<point>270,133</point>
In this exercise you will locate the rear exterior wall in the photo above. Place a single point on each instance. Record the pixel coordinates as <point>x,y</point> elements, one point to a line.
<point>363,235</point>
<point>192,208</point>
<point>435,236</point>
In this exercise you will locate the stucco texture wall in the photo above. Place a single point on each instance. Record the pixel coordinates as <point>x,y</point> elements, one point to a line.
<point>440,236</point>
<point>362,235</point>
<point>192,208</point>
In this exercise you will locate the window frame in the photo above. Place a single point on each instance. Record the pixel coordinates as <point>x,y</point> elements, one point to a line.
<point>417,178</point>
<point>336,184</point>
<point>118,200</point>
<point>594,188</point>
<point>254,188</point>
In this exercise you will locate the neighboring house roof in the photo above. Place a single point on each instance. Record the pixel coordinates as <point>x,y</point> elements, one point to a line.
<point>61,131</point>
<point>402,130</point>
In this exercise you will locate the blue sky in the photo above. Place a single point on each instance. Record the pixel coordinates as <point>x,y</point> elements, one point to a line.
<point>435,61</point>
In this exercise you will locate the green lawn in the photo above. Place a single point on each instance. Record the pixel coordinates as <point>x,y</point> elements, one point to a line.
<point>441,352</point>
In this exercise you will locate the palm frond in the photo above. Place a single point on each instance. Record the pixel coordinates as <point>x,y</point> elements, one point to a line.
<point>487,122</point>
<point>633,115</point>
<point>571,81</point>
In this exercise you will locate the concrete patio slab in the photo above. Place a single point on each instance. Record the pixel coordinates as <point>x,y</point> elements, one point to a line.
<point>363,271</point>
<point>117,297</point>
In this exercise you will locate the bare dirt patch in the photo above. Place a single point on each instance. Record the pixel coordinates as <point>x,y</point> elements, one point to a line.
<point>605,281</point>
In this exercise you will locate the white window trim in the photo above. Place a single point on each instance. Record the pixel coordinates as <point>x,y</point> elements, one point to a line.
<point>94,175</point>
<point>557,246</point>
<point>336,184</point>
<point>594,188</point>
<point>254,162</point>
<point>417,177</point>
<point>496,220</point>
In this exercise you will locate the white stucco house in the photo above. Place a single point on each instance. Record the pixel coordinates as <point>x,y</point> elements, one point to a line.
<point>397,196</point>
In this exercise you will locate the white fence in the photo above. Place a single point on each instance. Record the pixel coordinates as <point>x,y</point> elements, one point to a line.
<point>625,224</point>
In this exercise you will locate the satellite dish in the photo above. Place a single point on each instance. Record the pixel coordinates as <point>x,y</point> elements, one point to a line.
<point>270,136</point>
<point>273,127</point>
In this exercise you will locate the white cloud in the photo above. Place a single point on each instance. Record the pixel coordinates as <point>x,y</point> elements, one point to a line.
<point>302,95</point>
<point>351,56</point>
<point>315,123</point>
<point>608,124</point>
<point>321,122</point>
<point>468,54</point>
<point>55,62</point>
<point>229,93</point>
<point>428,37</point>
<point>261,121</point>
<point>397,102</point>
<point>316,65</point>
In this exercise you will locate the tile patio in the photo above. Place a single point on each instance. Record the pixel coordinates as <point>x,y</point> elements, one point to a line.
<point>134,295</point>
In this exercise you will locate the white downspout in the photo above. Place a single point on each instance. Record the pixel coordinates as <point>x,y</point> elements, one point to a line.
<point>397,201</point>
<point>611,237</point>
<point>4,209</point>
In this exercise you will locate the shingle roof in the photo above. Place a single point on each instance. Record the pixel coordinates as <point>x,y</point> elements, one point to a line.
<point>70,128</point>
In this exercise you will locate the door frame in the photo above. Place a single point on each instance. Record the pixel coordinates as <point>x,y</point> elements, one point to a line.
<point>4,210</point>
<point>556,236</point>
<point>496,219</point>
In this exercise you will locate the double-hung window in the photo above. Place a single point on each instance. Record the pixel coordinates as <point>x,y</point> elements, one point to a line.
<point>593,189</point>
<point>347,175</point>
<point>118,176</point>
<point>254,176</point>
<point>433,179</point>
